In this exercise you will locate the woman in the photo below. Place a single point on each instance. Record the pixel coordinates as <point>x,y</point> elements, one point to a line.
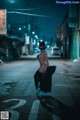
<point>40,74</point>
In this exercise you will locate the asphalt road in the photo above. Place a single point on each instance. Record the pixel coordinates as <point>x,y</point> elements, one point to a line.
<point>18,94</point>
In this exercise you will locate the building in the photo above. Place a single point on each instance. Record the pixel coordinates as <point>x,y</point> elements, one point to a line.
<point>70,37</point>
<point>65,41</point>
<point>74,24</point>
<point>11,47</point>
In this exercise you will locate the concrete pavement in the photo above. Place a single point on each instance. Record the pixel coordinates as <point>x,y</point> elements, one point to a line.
<point>66,90</point>
<point>64,100</point>
<point>73,69</point>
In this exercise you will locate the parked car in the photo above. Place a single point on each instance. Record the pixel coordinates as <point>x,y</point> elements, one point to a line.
<point>56,51</point>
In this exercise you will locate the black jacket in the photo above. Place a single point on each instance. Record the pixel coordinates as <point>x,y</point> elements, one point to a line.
<point>48,78</point>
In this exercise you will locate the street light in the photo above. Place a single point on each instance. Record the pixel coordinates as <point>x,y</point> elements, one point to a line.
<point>33,32</point>
<point>41,40</point>
<point>19,28</point>
<point>12,1</point>
<point>24,26</point>
<point>46,42</point>
<point>36,36</point>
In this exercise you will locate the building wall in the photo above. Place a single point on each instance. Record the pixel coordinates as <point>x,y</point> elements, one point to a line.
<point>74,45</point>
<point>71,33</point>
<point>74,24</point>
<point>78,34</point>
<point>65,38</point>
<point>78,44</point>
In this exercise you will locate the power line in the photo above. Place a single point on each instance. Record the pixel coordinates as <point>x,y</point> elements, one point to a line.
<point>36,15</point>
<point>10,12</point>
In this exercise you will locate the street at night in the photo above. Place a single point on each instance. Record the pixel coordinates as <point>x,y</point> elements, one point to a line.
<point>18,94</point>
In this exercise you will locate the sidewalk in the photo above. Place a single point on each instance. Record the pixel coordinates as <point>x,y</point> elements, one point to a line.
<point>72,69</point>
<point>29,56</point>
<point>34,56</point>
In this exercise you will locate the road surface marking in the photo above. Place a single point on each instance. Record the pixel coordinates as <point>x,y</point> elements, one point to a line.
<point>34,110</point>
<point>15,114</point>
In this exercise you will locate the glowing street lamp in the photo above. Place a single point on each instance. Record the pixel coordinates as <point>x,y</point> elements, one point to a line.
<point>48,46</point>
<point>41,40</point>
<point>46,42</point>
<point>24,26</point>
<point>33,32</point>
<point>12,1</point>
<point>36,36</point>
<point>19,28</point>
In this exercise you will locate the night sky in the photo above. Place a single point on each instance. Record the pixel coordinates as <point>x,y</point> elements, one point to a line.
<point>53,14</point>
